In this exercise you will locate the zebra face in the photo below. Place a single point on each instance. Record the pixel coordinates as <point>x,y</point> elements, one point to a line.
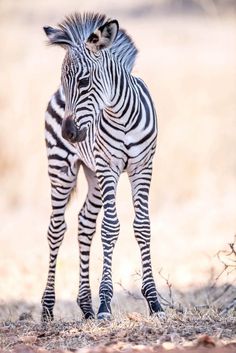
<point>84,77</point>
<point>78,89</point>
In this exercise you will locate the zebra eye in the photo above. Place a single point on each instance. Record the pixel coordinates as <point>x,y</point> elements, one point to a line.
<point>84,82</point>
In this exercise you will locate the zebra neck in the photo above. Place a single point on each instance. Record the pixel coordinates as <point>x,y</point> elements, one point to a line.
<point>123,91</point>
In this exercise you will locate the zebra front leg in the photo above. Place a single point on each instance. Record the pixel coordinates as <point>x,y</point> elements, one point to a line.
<point>59,196</point>
<point>87,227</point>
<point>140,184</point>
<point>110,231</point>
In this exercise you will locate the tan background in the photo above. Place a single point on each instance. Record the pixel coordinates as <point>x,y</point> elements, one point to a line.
<point>187,57</point>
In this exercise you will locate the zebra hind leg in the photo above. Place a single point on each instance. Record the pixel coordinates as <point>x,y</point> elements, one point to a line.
<point>87,226</point>
<point>140,184</point>
<point>60,194</point>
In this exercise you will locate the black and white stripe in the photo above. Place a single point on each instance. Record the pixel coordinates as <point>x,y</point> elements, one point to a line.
<point>114,108</point>
<point>64,161</point>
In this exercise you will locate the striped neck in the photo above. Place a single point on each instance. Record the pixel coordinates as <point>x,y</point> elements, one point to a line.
<point>121,94</point>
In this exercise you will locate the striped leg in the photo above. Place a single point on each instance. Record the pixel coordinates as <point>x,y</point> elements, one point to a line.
<point>110,231</point>
<point>87,227</point>
<point>140,184</point>
<point>61,186</point>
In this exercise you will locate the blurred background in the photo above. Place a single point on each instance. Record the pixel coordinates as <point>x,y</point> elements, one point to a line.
<point>187,57</point>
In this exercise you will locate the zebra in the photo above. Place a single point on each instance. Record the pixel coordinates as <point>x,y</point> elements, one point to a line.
<point>103,119</point>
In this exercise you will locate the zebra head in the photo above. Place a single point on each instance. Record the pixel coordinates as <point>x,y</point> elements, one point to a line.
<point>84,77</point>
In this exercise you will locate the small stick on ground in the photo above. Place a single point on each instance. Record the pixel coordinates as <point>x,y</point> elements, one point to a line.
<point>169,285</point>
<point>130,294</point>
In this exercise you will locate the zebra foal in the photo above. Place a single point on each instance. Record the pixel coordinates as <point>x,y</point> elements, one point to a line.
<point>103,118</point>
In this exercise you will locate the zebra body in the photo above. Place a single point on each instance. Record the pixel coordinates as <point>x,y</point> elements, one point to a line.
<point>105,120</point>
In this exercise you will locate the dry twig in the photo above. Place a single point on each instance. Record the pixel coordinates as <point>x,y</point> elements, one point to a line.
<point>130,294</point>
<point>228,259</point>
<point>169,285</point>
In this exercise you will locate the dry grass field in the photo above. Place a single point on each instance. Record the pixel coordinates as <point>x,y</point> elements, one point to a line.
<point>187,57</point>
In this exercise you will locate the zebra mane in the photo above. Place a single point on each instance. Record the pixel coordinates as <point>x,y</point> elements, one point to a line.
<point>78,27</point>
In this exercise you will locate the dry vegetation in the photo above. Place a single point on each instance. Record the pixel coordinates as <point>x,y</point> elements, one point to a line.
<point>188,326</point>
<point>187,57</point>
<point>194,321</point>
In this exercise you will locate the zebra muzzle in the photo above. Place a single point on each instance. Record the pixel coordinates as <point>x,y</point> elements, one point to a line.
<point>81,134</point>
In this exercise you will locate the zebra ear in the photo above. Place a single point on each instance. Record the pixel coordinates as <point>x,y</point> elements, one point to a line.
<point>103,37</point>
<point>57,37</point>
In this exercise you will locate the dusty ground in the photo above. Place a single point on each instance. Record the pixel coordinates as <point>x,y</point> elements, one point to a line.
<point>201,328</point>
<point>177,330</point>
<point>198,319</point>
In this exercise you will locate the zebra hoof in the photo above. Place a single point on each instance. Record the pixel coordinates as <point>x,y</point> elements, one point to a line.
<point>47,315</point>
<point>161,315</point>
<point>89,316</point>
<point>155,308</point>
<point>104,316</point>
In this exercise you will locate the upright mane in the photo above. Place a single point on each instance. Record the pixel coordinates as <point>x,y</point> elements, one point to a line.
<point>79,26</point>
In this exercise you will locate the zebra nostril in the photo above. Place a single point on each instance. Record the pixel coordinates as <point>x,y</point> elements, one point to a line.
<point>69,131</point>
<point>71,135</point>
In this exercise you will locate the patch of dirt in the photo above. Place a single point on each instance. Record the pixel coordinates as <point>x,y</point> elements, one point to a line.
<point>192,331</point>
<point>127,348</point>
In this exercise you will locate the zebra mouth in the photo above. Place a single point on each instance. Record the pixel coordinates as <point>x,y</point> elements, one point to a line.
<point>81,135</point>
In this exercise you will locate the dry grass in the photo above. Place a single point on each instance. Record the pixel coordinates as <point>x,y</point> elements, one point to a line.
<point>196,314</point>
<point>133,329</point>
